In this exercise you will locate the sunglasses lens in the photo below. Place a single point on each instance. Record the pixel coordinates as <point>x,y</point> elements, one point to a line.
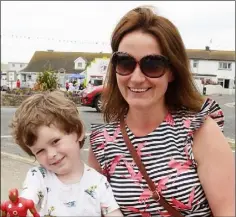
<point>153,66</point>
<point>124,64</point>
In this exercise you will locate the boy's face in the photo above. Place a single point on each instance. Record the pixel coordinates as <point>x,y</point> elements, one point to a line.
<point>57,151</point>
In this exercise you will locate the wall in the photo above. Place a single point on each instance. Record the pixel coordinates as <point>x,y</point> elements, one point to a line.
<point>79,60</point>
<point>26,81</point>
<point>16,99</point>
<point>17,67</point>
<point>199,85</point>
<point>218,89</point>
<point>4,79</point>
<point>98,67</point>
<point>212,67</point>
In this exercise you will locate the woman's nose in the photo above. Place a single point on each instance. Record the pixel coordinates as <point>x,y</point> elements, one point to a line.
<point>137,75</point>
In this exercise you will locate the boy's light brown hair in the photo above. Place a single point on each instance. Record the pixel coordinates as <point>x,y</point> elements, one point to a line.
<point>45,109</point>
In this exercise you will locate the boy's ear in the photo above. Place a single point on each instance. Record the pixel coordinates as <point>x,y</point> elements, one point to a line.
<point>82,137</point>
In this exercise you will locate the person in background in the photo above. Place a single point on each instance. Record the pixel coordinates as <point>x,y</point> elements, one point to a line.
<point>67,86</point>
<point>18,83</point>
<point>176,132</point>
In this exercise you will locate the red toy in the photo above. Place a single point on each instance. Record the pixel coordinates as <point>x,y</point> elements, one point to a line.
<point>17,206</point>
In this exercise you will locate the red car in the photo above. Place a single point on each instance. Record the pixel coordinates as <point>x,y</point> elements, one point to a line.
<point>91,96</point>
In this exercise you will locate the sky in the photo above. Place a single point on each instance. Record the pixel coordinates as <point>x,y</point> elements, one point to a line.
<point>86,26</point>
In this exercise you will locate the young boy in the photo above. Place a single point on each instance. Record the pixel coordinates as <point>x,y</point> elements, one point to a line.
<point>48,127</point>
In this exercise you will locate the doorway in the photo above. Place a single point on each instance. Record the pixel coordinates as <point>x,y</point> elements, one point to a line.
<point>226,85</point>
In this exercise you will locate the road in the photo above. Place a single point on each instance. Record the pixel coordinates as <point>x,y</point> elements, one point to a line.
<point>89,115</point>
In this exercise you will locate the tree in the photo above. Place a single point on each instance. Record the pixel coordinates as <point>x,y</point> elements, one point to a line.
<point>88,65</point>
<point>47,80</point>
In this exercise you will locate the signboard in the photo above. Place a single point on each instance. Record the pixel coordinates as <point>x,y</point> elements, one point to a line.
<point>11,76</point>
<point>103,67</point>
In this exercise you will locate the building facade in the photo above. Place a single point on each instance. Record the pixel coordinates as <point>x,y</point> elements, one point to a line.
<point>11,72</point>
<point>216,66</point>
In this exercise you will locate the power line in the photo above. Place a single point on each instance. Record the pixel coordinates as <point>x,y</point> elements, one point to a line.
<point>54,39</point>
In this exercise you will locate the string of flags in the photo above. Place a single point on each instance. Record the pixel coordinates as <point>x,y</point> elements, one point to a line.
<point>87,42</point>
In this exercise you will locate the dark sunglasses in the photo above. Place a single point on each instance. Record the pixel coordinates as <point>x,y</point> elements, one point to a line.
<point>153,66</point>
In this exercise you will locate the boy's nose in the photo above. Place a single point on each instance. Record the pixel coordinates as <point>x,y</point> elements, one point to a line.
<point>52,153</point>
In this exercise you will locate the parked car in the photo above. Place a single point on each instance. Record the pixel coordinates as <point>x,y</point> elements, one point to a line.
<point>91,96</point>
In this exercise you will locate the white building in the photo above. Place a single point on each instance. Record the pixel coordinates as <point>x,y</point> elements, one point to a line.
<point>97,69</point>
<point>11,73</point>
<point>64,63</point>
<point>4,69</point>
<point>219,66</point>
<point>214,65</point>
<point>16,66</point>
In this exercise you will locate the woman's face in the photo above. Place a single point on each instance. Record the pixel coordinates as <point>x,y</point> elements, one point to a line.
<point>139,90</point>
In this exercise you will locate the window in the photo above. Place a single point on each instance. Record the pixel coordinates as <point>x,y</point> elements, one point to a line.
<point>21,65</point>
<point>221,82</point>
<point>104,68</point>
<point>225,65</point>
<point>195,63</point>
<point>13,64</point>
<point>79,65</point>
<point>24,78</point>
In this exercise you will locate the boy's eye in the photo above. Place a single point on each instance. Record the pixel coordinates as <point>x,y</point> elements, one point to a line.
<point>56,141</point>
<point>40,151</point>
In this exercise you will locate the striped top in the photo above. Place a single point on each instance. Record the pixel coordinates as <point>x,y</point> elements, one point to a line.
<point>167,155</point>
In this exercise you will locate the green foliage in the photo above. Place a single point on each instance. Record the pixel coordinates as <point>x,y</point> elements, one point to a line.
<point>88,64</point>
<point>47,80</point>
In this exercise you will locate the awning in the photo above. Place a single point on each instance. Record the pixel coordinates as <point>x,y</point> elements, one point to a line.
<point>79,76</point>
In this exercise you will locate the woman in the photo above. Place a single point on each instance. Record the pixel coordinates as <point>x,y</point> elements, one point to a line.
<point>177,133</point>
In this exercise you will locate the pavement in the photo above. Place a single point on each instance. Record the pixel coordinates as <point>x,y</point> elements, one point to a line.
<point>14,168</point>
<point>13,172</point>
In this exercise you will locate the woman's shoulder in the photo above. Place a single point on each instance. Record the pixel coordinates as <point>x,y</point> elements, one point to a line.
<point>98,128</point>
<point>210,108</point>
<point>100,133</point>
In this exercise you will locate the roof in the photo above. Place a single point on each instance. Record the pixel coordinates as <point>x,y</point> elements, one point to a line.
<point>42,60</point>
<point>18,62</point>
<point>211,55</point>
<point>207,75</point>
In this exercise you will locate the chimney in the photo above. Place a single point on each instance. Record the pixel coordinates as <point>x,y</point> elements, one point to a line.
<point>207,48</point>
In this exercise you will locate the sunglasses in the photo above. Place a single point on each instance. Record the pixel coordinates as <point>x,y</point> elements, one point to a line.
<point>152,66</point>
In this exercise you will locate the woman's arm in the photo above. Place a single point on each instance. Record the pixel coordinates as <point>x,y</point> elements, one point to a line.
<point>216,168</point>
<point>92,161</point>
<point>115,213</point>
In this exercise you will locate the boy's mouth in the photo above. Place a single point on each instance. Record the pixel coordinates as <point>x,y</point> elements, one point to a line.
<point>58,161</point>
